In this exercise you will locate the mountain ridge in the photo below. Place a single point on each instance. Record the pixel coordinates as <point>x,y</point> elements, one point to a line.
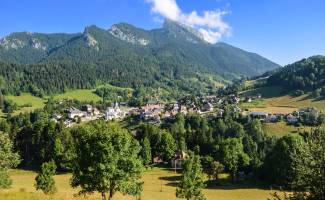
<point>172,47</point>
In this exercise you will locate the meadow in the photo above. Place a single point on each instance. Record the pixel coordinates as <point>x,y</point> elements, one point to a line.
<point>280,129</point>
<point>273,101</point>
<point>80,95</point>
<point>23,100</point>
<point>159,184</point>
<point>27,103</point>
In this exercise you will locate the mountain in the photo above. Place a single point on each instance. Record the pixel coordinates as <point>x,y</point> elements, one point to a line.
<point>173,56</point>
<point>27,47</point>
<point>173,41</point>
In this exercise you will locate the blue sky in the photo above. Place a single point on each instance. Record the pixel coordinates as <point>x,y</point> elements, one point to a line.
<point>281,30</point>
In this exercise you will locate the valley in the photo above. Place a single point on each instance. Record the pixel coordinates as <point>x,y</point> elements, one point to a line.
<point>178,107</point>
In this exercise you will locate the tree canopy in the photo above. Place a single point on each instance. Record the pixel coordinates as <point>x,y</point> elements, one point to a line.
<point>107,160</point>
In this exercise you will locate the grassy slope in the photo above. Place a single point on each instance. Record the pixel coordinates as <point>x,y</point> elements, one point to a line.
<point>36,102</point>
<point>25,98</point>
<point>281,129</point>
<point>154,181</point>
<point>81,95</point>
<point>275,102</point>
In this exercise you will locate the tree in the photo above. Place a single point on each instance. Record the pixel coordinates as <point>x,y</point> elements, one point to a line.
<point>146,152</point>
<point>217,168</point>
<point>277,165</point>
<point>255,130</point>
<point>44,180</point>
<point>308,164</point>
<point>211,167</point>
<point>8,159</point>
<point>233,155</point>
<point>107,160</point>
<point>192,180</point>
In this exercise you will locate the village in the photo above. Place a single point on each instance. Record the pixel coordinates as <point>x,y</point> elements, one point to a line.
<point>154,111</point>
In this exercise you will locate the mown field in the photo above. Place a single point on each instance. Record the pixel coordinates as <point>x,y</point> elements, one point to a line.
<point>280,129</point>
<point>273,101</point>
<point>159,184</point>
<point>80,95</point>
<point>24,99</point>
<point>36,102</point>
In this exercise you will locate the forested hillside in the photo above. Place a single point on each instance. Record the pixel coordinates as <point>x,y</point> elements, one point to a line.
<point>173,56</point>
<point>307,75</point>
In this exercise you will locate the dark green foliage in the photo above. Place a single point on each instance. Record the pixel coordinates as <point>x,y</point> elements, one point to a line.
<point>146,152</point>
<point>308,165</point>
<point>44,179</point>
<point>233,155</point>
<point>113,94</point>
<point>107,160</point>
<point>192,180</point>
<point>306,75</point>
<point>277,166</point>
<point>40,140</point>
<point>211,167</point>
<point>161,141</point>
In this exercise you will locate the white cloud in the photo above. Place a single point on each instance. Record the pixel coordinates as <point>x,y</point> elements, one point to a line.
<point>210,24</point>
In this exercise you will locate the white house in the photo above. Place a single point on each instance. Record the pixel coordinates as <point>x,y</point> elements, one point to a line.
<point>74,112</point>
<point>114,113</point>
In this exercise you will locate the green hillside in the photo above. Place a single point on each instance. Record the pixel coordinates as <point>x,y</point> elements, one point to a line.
<point>170,57</point>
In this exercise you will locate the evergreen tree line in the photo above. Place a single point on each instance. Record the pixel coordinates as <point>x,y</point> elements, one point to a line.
<point>132,72</point>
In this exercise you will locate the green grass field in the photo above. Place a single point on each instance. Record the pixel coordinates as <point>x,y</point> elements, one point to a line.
<point>36,102</point>
<point>26,98</point>
<point>81,95</point>
<point>159,184</point>
<point>281,129</point>
<point>273,101</point>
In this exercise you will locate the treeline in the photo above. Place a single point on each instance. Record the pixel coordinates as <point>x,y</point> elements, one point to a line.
<point>306,75</point>
<point>132,72</point>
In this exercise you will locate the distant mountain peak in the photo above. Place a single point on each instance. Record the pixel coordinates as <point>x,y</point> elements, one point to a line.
<point>89,38</point>
<point>129,33</point>
<point>177,30</point>
<point>174,48</point>
<point>11,43</point>
<point>21,40</point>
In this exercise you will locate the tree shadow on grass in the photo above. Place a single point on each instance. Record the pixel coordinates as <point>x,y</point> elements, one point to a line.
<point>229,185</point>
<point>318,99</point>
<point>172,180</point>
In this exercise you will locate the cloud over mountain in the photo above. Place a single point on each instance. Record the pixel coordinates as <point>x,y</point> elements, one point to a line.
<point>210,24</point>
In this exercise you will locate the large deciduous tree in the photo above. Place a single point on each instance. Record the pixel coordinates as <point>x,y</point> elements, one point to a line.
<point>308,165</point>
<point>233,155</point>
<point>192,180</point>
<point>107,160</point>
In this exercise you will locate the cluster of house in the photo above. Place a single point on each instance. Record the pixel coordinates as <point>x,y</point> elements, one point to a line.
<point>114,112</point>
<point>291,118</point>
<point>295,117</point>
<point>151,112</point>
<point>86,113</point>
